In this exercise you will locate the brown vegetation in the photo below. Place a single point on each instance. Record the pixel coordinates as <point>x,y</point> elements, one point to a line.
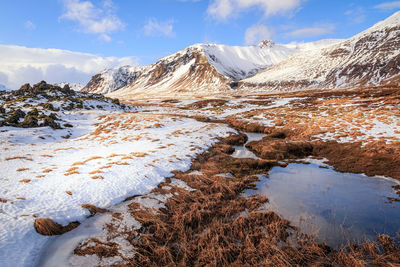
<point>214,225</point>
<point>19,157</point>
<point>46,226</point>
<point>93,209</point>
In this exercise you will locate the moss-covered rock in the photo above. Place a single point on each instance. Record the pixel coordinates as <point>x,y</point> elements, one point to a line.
<point>30,121</point>
<point>48,121</point>
<point>14,116</point>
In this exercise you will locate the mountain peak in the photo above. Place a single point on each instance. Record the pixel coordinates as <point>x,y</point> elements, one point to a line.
<point>266,43</point>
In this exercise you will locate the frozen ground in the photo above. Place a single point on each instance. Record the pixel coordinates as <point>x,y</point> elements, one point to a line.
<point>110,156</point>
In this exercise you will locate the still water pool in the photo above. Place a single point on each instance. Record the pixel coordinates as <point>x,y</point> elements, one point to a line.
<point>335,207</point>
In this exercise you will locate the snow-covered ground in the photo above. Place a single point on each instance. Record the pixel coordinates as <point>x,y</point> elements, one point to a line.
<point>111,155</point>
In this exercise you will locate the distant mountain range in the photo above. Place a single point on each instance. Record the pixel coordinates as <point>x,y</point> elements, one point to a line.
<point>73,86</point>
<point>369,58</point>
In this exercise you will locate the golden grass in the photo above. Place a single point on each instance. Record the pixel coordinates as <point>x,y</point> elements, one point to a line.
<point>71,173</point>
<point>96,177</point>
<point>47,156</point>
<point>63,149</point>
<point>96,172</point>
<point>86,161</point>
<point>72,170</point>
<point>22,169</point>
<point>69,193</point>
<point>47,170</point>
<point>140,154</point>
<point>48,227</point>
<point>25,180</point>
<point>19,157</point>
<point>93,209</point>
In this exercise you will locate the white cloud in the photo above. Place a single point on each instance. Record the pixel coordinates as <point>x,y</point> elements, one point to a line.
<point>155,28</point>
<point>30,25</point>
<point>256,34</point>
<point>224,9</point>
<point>312,31</point>
<point>91,19</point>
<point>19,65</point>
<point>388,5</point>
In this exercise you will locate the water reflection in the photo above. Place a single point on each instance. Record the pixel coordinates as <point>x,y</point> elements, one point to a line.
<point>336,207</point>
<point>242,152</point>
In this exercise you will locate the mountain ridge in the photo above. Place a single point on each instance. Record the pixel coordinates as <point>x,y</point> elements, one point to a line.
<point>220,67</point>
<point>370,58</point>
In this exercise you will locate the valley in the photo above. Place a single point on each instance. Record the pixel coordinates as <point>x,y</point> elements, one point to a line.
<point>265,155</point>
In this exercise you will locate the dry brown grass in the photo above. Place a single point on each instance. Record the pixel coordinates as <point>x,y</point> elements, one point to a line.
<point>93,209</point>
<point>139,154</point>
<point>25,181</point>
<point>48,227</point>
<point>69,193</point>
<point>41,176</point>
<point>215,226</point>
<point>46,156</point>
<point>96,172</point>
<point>72,170</point>
<point>96,177</point>
<point>47,170</point>
<point>63,149</point>
<point>19,157</point>
<point>22,169</point>
<point>2,200</point>
<point>86,161</point>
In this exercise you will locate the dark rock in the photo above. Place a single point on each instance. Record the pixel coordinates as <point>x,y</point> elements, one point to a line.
<point>14,116</point>
<point>29,122</point>
<point>48,121</point>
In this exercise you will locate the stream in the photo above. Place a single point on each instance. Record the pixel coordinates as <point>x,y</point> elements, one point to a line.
<point>331,206</point>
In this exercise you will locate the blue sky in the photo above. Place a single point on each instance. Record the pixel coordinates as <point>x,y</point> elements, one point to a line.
<point>112,33</point>
<point>151,29</point>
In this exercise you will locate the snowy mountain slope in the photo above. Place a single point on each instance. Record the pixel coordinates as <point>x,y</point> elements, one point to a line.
<point>200,69</point>
<point>110,80</point>
<point>184,73</point>
<point>73,86</point>
<point>239,62</point>
<point>3,88</point>
<point>369,58</point>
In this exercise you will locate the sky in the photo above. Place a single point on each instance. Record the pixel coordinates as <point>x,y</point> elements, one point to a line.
<point>110,33</point>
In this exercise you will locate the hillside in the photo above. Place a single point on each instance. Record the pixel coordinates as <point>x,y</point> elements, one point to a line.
<point>369,58</point>
<point>201,69</point>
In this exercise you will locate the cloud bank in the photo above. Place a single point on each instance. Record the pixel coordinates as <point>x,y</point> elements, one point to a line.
<point>19,65</point>
<point>388,5</point>
<point>311,31</point>
<point>94,20</point>
<point>224,9</point>
<point>256,34</point>
<point>154,27</point>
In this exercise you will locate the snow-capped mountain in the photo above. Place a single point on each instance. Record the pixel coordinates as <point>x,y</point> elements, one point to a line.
<point>200,69</point>
<point>73,86</point>
<point>110,80</point>
<point>4,88</point>
<point>369,58</point>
